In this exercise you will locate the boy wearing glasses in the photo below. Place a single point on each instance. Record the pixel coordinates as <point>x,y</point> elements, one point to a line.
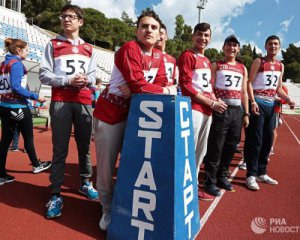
<point>68,65</point>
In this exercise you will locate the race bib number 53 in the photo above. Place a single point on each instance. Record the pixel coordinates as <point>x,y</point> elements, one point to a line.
<point>70,65</point>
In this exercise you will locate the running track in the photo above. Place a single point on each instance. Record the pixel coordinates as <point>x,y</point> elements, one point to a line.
<point>22,203</point>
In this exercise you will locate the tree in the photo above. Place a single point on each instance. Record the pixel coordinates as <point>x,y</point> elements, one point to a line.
<point>292,54</point>
<point>255,54</point>
<point>94,27</point>
<point>291,60</point>
<point>44,13</point>
<point>292,71</point>
<point>126,19</point>
<point>246,60</point>
<point>246,50</point>
<point>213,54</point>
<point>187,33</point>
<point>179,26</point>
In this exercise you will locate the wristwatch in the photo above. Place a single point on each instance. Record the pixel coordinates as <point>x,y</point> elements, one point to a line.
<point>246,114</point>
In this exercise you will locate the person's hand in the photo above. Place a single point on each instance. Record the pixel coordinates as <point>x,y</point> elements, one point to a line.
<point>80,81</point>
<point>291,103</point>
<point>170,90</point>
<point>219,106</point>
<point>254,108</point>
<point>245,121</point>
<point>41,100</point>
<point>126,93</point>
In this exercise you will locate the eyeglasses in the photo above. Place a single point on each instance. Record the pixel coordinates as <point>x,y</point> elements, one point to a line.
<point>69,16</point>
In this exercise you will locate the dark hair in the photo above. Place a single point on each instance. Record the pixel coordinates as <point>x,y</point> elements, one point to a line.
<point>12,44</point>
<point>202,27</point>
<point>163,26</point>
<point>149,13</point>
<point>272,37</point>
<point>74,8</point>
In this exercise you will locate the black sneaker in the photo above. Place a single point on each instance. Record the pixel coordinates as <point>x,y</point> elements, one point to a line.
<point>238,151</point>
<point>212,190</point>
<point>224,184</point>
<point>42,167</point>
<point>228,172</point>
<point>7,179</point>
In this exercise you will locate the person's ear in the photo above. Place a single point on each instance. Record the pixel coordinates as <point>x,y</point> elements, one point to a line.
<point>81,22</point>
<point>19,51</point>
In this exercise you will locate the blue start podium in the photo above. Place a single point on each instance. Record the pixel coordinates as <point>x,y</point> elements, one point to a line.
<point>156,194</point>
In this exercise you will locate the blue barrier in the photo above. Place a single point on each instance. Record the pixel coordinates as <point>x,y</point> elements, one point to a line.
<point>156,191</point>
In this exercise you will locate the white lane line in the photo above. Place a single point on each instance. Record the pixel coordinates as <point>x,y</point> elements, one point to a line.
<point>296,119</point>
<point>214,204</point>
<point>291,131</point>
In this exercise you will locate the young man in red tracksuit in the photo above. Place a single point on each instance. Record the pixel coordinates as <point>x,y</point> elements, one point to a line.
<point>230,85</point>
<point>138,68</point>
<point>195,82</point>
<point>170,61</point>
<point>265,81</point>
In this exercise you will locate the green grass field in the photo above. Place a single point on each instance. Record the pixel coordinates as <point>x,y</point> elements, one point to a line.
<point>39,121</point>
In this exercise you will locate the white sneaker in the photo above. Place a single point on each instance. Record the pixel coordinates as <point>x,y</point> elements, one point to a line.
<point>42,167</point>
<point>243,166</point>
<point>251,183</point>
<point>266,179</point>
<point>104,221</point>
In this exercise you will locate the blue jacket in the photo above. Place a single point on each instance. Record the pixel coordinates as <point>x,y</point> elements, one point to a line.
<point>17,71</point>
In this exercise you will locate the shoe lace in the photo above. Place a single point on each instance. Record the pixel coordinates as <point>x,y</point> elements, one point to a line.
<point>252,180</point>
<point>90,188</point>
<point>53,204</point>
<point>106,217</point>
<point>268,178</point>
<point>39,166</point>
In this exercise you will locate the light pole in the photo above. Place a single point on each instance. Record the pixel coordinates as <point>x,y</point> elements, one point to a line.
<point>200,6</point>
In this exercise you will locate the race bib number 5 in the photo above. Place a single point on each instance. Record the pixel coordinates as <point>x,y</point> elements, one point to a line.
<point>201,80</point>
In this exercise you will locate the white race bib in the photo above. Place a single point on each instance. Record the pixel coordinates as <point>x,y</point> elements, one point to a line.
<point>150,75</point>
<point>169,71</point>
<point>70,65</point>
<point>201,80</point>
<point>5,84</point>
<point>229,80</point>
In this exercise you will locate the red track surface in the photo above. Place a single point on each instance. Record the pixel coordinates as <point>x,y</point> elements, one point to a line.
<point>22,203</point>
